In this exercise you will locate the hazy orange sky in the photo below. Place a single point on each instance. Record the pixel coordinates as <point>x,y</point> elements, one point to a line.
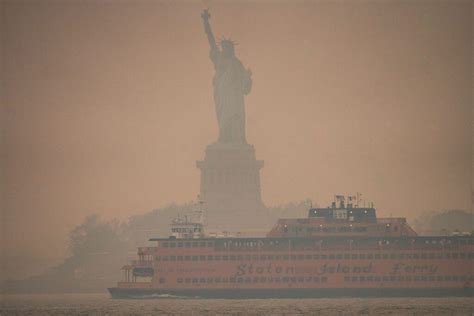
<point>106,106</point>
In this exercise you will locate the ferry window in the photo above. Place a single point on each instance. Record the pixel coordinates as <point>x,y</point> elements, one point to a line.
<point>263,279</point>
<point>195,244</point>
<point>194,258</point>
<point>232,258</point>
<point>187,258</point>
<point>431,256</point>
<point>308,257</point>
<point>377,256</point>
<point>202,280</point>
<point>285,279</point>
<point>316,279</point>
<point>455,255</point>
<point>439,256</point>
<point>210,258</point>
<point>202,244</point>
<point>424,256</point>
<point>462,255</point>
<point>316,257</point>
<point>332,257</point>
<point>455,277</point>
<point>165,258</point>
<point>225,258</point>
<point>270,280</point>
<point>255,257</point>
<point>300,257</point>
<point>255,279</point>
<point>217,258</point>
<point>210,280</point>
<point>392,278</point>
<point>172,245</point>
<point>248,257</point>
<point>377,279</point>
<point>393,256</point>
<point>162,280</point>
<point>300,279</point>
<point>324,257</point>
<point>401,278</point>
<point>424,278</point>
<point>462,278</point>
<point>225,280</point>
<point>401,256</point>
<point>187,280</point>
<point>165,244</point>
<point>471,255</point>
<point>354,279</point>
<point>187,245</point>
<point>172,258</point>
<point>416,278</point>
<point>339,256</point>
<point>293,279</point>
<point>180,258</point>
<point>293,257</point>
<point>239,257</point>
<point>408,278</point>
<point>217,280</point>
<point>240,280</point>
<point>157,258</point>
<point>180,280</point>
<point>385,256</point>
<point>416,256</point>
<point>431,278</point>
<point>180,245</point>
<point>447,255</point>
<point>263,257</point>
<point>370,278</point>
<point>354,256</point>
<point>385,278</point>
<point>362,256</point>
<point>362,278</point>
<point>347,256</point>
<point>277,280</point>
<point>347,279</point>
<point>370,256</point>
<point>286,257</point>
<point>210,244</point>
<point>202,258</point>
<point>439,278</point>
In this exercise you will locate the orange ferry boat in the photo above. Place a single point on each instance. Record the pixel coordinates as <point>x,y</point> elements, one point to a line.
<point>342,250</point>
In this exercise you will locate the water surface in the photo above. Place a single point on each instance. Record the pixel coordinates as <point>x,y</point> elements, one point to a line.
<point>102,304</point>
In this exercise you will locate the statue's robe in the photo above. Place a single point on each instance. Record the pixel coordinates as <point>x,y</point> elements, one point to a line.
<point>231,82</point>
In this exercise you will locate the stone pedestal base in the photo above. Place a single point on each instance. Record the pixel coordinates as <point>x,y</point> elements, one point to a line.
<point>230,185</point>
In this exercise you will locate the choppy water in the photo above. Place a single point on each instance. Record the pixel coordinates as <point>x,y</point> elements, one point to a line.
<point>102,304</point>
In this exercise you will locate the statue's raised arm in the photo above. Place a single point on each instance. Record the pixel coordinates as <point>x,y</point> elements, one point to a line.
<point>207,28</point>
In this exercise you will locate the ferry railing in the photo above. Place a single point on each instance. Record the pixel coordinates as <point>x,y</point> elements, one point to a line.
<point>142,263</point>
<point>146,250</point>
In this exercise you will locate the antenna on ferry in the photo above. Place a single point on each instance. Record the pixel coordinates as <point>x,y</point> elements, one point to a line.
<point>200,210</point>
<point>358,198</point>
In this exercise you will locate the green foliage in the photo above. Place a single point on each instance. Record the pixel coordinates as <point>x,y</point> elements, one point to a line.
<point>444,222</point>
<point>95,236</point>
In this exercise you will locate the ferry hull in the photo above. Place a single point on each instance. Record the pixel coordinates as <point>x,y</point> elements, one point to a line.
<point>136,293</point>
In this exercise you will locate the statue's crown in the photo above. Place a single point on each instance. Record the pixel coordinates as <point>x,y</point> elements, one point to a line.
<point>227,42</point>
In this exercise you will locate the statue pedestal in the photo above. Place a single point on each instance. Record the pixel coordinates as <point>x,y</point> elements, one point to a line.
<point>230,186</point>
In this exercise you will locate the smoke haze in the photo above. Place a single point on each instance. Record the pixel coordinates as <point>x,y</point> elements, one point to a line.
<point>106,106</point>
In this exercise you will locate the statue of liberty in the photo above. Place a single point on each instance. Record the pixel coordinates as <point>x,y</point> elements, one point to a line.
<point>231,82</point>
